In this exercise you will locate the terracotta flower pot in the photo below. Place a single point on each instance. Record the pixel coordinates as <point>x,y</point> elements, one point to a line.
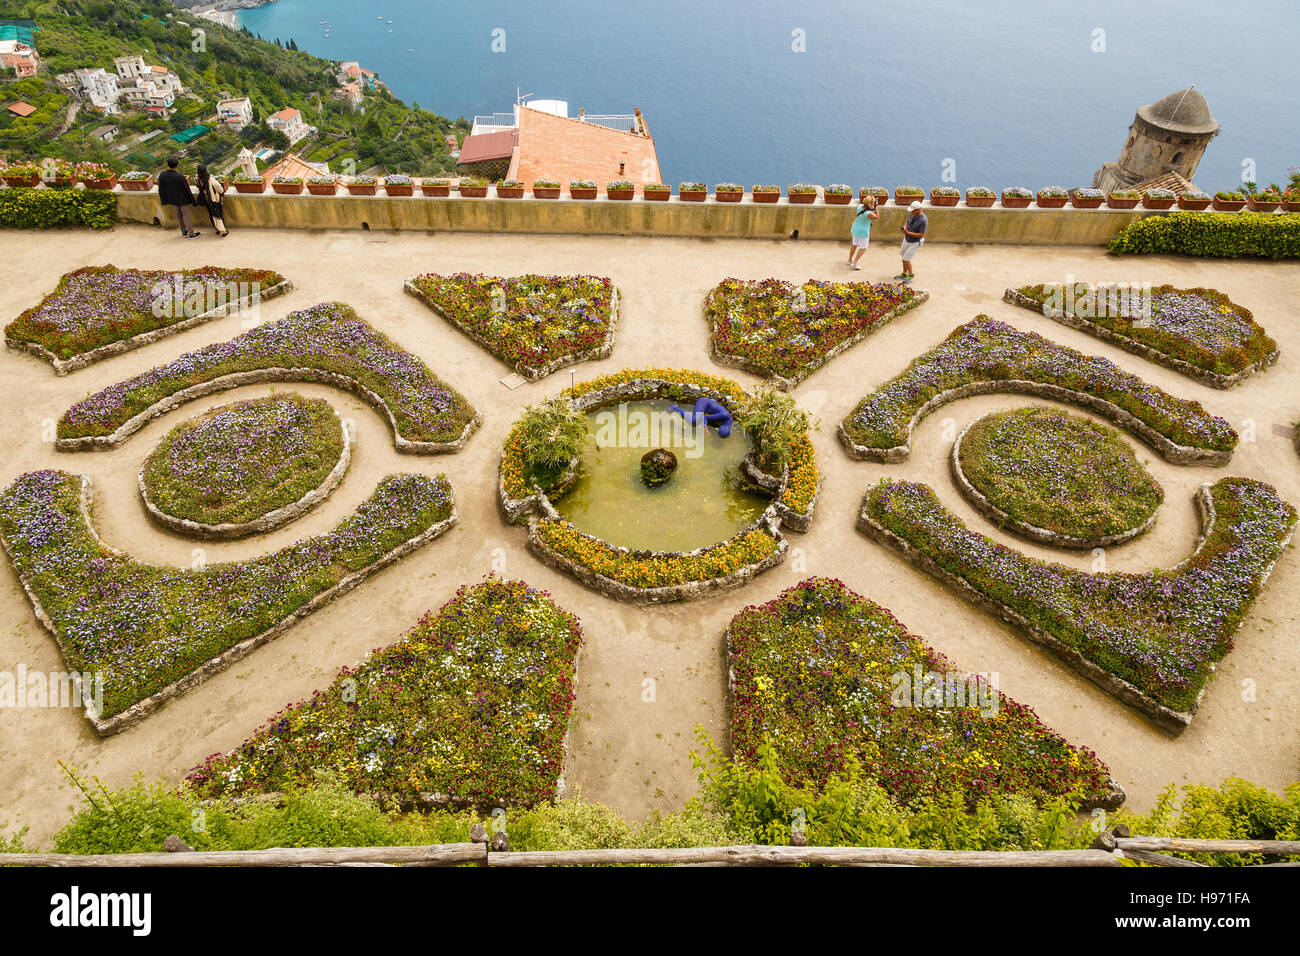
<point>546,192</point>
<point>254,187</point>
<point>767,196</point>
<point>1291,205</point>
<point>656,195</point>
<point>838,199</point>
<point>1149,203</point>
<point>582,192</point>
<point>1119,202</point>
<point>944,200</point>
<point>287,189</point>
<point>1228,205</point>
<point>693,195</point>
<point>432,189</point>
<point>1087,202</point>
<point>906,199</point>
<point>1193,204</point>
<point>322,189</point>
<point>399,189</point>
<point>981,202</point>
<point>23,180</point>
<point>622,195</point>
<point>1016,202</point>
<point>510,192</point>
<point>729,196</point>
<point>1263,205</point>
<point>136,185</point>
<point>108,183</point>
<point>473,192</point>
<point>804,199</point>
<point>1051,202</point>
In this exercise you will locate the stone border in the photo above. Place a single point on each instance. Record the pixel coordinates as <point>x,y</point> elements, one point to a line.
<point>1171,450</point>
<point>1128,344</point>
<point>107,726</point>
<point>1112,799</point>
<point>1168,719</point>
<point>601,351</point>
<point>82,359</point>
<point>266,522</point>
<point>980,502</point>
<point>786,384</point>
<point>257,377</point>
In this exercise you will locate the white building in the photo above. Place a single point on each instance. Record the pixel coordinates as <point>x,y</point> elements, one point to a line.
<point>20,57</point>
<point>235,113</point>
<point>143,86</point>
<point>289,122</point>
<point>99,88</point>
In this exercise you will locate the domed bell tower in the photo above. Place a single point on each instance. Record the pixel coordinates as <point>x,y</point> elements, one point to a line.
<point>1169,135</point>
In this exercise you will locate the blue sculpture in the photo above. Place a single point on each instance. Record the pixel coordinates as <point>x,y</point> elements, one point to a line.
<point>711,413</point>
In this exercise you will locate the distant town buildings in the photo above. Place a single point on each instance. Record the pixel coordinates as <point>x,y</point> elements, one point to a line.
<point>98,87</point>
<point>134,84</point>
<point>20,57</point>
<point>289,122</point>
<point>104,134</point>
<point>350,71</point>
<point>1166,142</point>
<point>235,113</point>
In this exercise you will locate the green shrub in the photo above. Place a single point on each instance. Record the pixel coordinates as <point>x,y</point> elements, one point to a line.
<point>24,207</point>
<point>1241,235</point>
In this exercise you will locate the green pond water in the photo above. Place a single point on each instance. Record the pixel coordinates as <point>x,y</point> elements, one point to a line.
<point>704,502</point>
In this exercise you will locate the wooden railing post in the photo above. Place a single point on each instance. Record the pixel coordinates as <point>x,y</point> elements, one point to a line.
<point>478,834</point>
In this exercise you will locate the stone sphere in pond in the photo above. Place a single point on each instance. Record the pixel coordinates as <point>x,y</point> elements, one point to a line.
<point>657,466</point>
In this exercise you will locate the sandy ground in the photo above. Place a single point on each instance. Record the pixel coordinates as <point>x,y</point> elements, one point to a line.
<point>629,751</point>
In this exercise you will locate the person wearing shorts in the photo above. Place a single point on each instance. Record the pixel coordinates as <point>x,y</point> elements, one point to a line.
<point>861,231</point>
<point>913,236</point>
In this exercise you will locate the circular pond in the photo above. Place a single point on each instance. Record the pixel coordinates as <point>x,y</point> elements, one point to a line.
<point>704,501</point>
<point>246,467</point>
<point>1055,477</point>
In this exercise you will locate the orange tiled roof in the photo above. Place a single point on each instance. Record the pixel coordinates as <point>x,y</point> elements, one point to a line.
<point>285,114</point>
<point>21,109</point>
<point>1170,180</point>
<point>485,146</point>
<point>292,165</point>
<point>563,149</point>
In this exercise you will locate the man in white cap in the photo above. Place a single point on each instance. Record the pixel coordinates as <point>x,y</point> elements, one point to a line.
<point>913,236</point>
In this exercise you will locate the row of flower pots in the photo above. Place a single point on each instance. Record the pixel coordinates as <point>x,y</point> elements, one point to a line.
<point>59,174</point>
<point>1054,197</point>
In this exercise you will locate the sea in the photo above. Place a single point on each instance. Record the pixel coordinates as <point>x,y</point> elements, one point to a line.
<point>864,92</point>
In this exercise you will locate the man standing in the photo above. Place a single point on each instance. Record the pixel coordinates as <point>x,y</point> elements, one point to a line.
<point>913,236</point>
<point>174,190</point>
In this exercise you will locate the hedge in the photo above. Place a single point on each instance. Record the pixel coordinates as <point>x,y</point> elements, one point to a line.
<point>27,207</point>
<point>1260,235</point>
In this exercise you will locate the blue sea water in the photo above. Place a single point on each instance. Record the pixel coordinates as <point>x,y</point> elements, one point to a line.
<point>1009,92</point>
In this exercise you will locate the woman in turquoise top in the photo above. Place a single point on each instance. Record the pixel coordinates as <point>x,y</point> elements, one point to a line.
<point>861,231</point>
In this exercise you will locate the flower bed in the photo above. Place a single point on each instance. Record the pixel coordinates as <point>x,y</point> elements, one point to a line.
<point>535,324</point>
<point>472,707</point>
<point>326,343</point>
<point>1199,332</point>
<point>785,332</point>
<point>815,673</point>
<point>1151,639</point>
<point>234,467</point>
<point>99,311</point>
<point>986,356</point>
<point>1057,478</point>
<point>153,632</point>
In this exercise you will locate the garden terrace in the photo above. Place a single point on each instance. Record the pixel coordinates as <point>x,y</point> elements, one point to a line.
<point>471,706</point>
<point>155,632</point>
<point>786,332</point>
<point>1151,639</point>
<point>101,311</point>
<point>825,676</point>
<point>327,343</point>
<point>535,324</point>
<point>985,356</point>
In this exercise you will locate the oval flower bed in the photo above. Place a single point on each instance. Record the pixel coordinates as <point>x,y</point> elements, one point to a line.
<point>643,577</point>
<point>535,324</point>
<point>1199,332</point>
<point>824,676</point>
<point>986,356</point>
<point>154,632</point>
<point>327,343</point>
<point>786,332</point>
<point>100,311</point>
<point>246,468</point>
<point>1056,478</point>
<point>1150,639</point>
<point>471,706</point>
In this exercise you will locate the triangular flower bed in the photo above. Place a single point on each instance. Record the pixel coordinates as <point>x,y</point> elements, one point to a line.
<point>786,332</point>
<point>1151,639</point>
<point>471,707</point>
<point>145,633</point>
<point>824,676</point>
<point>101,311</point>
<point>535,324</point>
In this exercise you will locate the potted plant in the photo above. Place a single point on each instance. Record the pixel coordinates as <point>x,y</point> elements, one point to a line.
<point>136,181</point>
<point>244,183</point>
<point>287,185</point>
<point>728,192</point>
<point>1265,200</point>
<point>1123,199</point>
<point>838,194</point>
<point>1052,197</point>
<point>766,193</point>
<point>96,175</point>
<point>472,187</point>
<point>22,174</point>
<point>656,192</point>
<point>58,173</point>
<point>945,196</point>
<point>692,192</point>
<point>509,189</point>
<point>582,189</point>
<point>546,189</point>
<point>1159,198</point>
<point>1016,197</point>
<point>322,185</point>
<point>1229,201</point>
<point>880,192</point>
<point>981,197</point>
<point>620,189</point>
<point>1085,197</point>
<point>435,187</point>
<point>1291,199</point>
<point>1193,199</point>
<point>906,195</point>
<point>399,184</point>
<point>804,193</point>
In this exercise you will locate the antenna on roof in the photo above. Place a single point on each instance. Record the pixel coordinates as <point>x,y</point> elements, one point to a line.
<point>1180,102</point>
<point>520,97</point>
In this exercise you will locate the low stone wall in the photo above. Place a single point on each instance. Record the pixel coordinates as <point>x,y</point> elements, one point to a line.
<point>743,220</point>
<point>1171,450</point>
<point>1204,376</point>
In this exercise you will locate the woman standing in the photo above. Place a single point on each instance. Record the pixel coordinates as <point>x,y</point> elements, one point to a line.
<point>861,231</point>
<point>210,194</point>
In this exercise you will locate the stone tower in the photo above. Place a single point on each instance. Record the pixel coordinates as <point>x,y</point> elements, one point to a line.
<point>1169,135</point>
